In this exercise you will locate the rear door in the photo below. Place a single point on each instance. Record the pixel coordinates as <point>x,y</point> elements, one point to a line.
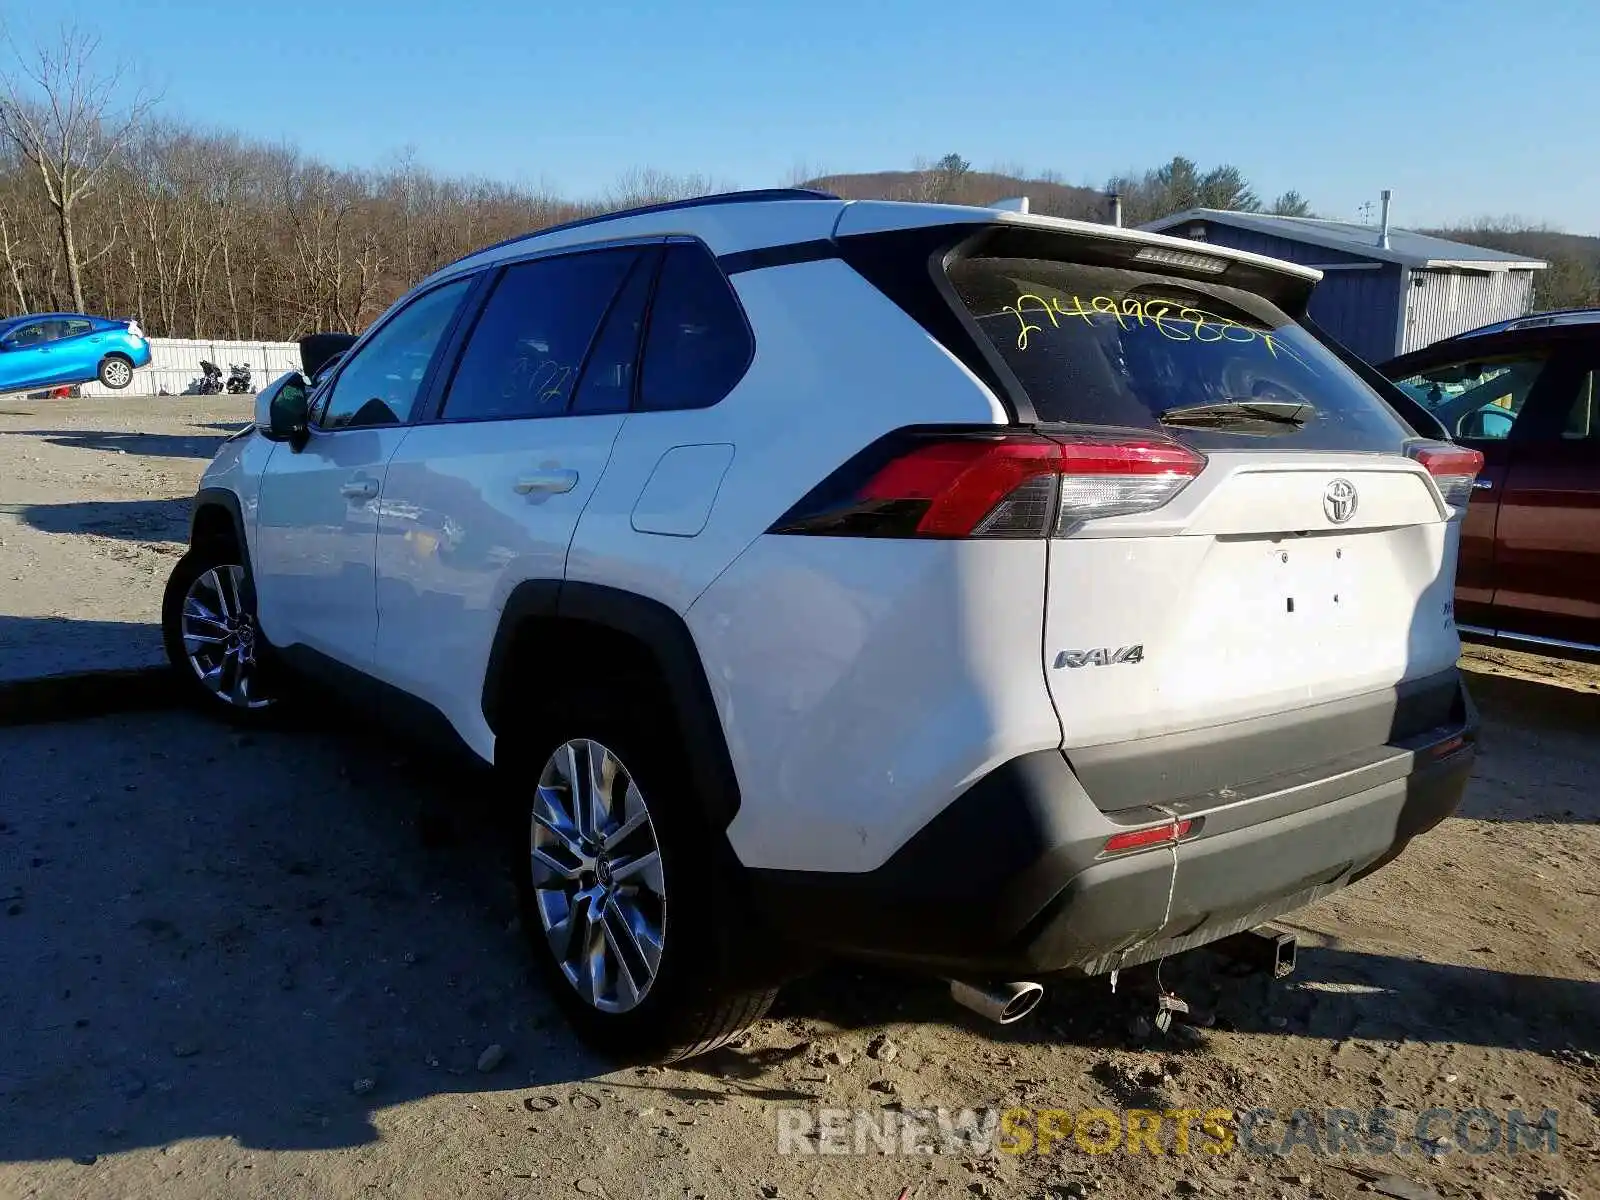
<point>486,492</point>
<point>74,358</point>
<point>1298,573</point>
<point>1479,393</point>
<point>1548,565</point>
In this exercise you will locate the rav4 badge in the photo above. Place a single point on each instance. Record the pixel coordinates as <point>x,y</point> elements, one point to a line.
<point>1101,657</point>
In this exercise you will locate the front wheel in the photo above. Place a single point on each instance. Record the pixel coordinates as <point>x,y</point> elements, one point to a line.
<point>212,638</point>
<point>622,894</point>
<point>115,372</point>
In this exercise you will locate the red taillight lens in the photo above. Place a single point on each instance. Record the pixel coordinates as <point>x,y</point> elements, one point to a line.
<point>985,484</point>
<point>963,482</point>
<point>1138,839</point>
<point>1453,468</point>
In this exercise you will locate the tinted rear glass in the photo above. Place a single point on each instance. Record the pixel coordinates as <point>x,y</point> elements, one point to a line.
<point>698,345</point>
<point>1111,346</point>
<point>525,352</point>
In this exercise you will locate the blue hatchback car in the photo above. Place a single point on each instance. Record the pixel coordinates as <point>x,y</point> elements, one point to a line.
<point>51,349</point>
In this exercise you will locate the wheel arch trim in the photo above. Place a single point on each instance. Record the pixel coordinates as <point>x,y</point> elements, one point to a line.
<point>228,502</point>
<point>672,646</point>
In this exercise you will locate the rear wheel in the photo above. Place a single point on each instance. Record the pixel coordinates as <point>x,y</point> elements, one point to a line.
<point>622,890</point>
<point>115,371</point>
<point>213,641</point>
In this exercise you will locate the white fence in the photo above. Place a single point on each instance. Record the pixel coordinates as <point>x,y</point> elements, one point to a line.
<point>175,365</point>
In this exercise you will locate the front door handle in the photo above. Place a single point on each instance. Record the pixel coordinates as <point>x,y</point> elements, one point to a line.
<point>553,482</point>
<point>1482,485</point>
<point>359,489</point>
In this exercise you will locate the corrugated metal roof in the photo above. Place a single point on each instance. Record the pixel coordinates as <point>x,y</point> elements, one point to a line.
<point>1405,247</point>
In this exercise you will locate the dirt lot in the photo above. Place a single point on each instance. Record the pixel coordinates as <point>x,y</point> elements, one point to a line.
<point>269,965</point>
<point>94,506</point>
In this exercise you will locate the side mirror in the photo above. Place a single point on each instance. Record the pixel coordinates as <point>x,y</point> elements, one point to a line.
<point>283,408</point>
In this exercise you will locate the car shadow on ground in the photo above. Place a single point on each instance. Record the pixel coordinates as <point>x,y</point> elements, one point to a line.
<point>131,520</point>
<point>260,936</point>
<point>52,667</point>
<point>155,445</point>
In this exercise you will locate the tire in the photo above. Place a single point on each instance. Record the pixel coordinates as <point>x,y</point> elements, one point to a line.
<point>697,998</point>
<point>246,687</point>
<point>115,371</point>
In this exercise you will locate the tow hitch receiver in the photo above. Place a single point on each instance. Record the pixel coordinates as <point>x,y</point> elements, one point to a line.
<point>1266,949</point>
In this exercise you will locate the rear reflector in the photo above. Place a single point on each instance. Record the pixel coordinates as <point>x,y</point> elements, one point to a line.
<point>1141,838</point>
<point>1453,469</point>
<point>950,484</point>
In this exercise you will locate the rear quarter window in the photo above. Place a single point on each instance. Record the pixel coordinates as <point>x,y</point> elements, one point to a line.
<point>698,344</point>
<point>1097,345</point>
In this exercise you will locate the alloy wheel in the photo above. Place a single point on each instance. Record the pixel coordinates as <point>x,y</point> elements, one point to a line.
<point>118,373</point>
<point>220,637</point>
<point>597,877</point>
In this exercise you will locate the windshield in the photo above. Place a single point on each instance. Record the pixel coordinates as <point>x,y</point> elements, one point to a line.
<point>1213,364</point>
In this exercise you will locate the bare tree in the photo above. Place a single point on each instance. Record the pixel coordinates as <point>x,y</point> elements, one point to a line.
<point>61,116</point>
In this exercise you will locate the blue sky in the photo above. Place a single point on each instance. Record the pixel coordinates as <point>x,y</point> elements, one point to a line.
<point>1464,108</point>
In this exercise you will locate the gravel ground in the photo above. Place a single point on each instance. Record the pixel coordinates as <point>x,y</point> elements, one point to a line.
<point>275,964</point>
<point>94,507</point>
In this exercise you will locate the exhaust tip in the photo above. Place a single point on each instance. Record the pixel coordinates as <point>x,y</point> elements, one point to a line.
<point>1002,1003</point>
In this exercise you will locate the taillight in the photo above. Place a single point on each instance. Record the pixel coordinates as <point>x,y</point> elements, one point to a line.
<point>944,484</point>
<point>1453,469</point>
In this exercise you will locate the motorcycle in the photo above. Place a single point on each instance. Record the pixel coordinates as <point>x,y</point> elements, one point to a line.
<point>210,379</point>
<point>239,379</point>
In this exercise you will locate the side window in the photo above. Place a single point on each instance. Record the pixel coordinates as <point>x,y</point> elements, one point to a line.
<point>31,335</point>
<point>698,345</point>
<point>525,352</point>
<point>380,383</point>
<point>74,328</point>
<point>1478,399</point>
<point>607,383</point>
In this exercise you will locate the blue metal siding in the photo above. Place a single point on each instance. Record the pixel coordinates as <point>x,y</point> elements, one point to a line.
<point>1360,308</point>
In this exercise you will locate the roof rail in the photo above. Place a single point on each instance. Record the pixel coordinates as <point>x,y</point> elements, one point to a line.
<point>754,195</point>
<point>1560,316</point>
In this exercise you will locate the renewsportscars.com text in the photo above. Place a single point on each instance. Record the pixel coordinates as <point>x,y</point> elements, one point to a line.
<point>1259,1131</point>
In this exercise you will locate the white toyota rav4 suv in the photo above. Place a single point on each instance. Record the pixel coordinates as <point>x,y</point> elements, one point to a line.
<point>995,595</point>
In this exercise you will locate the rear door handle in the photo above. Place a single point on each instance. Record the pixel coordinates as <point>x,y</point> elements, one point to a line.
<point>359,489</point>
<point>553,482</point>
<point>1482,485</point>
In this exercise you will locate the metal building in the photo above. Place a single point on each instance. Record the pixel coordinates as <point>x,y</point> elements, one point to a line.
<point>1384,291</point>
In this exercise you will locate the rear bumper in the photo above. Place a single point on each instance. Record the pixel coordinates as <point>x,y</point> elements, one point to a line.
<point>1011,879</point>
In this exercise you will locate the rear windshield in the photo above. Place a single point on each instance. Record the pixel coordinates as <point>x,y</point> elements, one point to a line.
<point>1110,346</point>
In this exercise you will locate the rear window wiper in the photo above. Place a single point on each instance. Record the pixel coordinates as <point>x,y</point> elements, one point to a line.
<point>1237,412</point>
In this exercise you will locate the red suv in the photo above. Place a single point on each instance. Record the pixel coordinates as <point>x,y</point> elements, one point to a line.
<point>1524,392</point>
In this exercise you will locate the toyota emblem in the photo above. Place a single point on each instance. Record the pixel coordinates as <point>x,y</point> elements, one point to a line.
<point>1339,501</point>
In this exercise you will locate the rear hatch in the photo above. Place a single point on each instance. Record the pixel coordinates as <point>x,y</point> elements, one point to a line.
<point>1253,572</point>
